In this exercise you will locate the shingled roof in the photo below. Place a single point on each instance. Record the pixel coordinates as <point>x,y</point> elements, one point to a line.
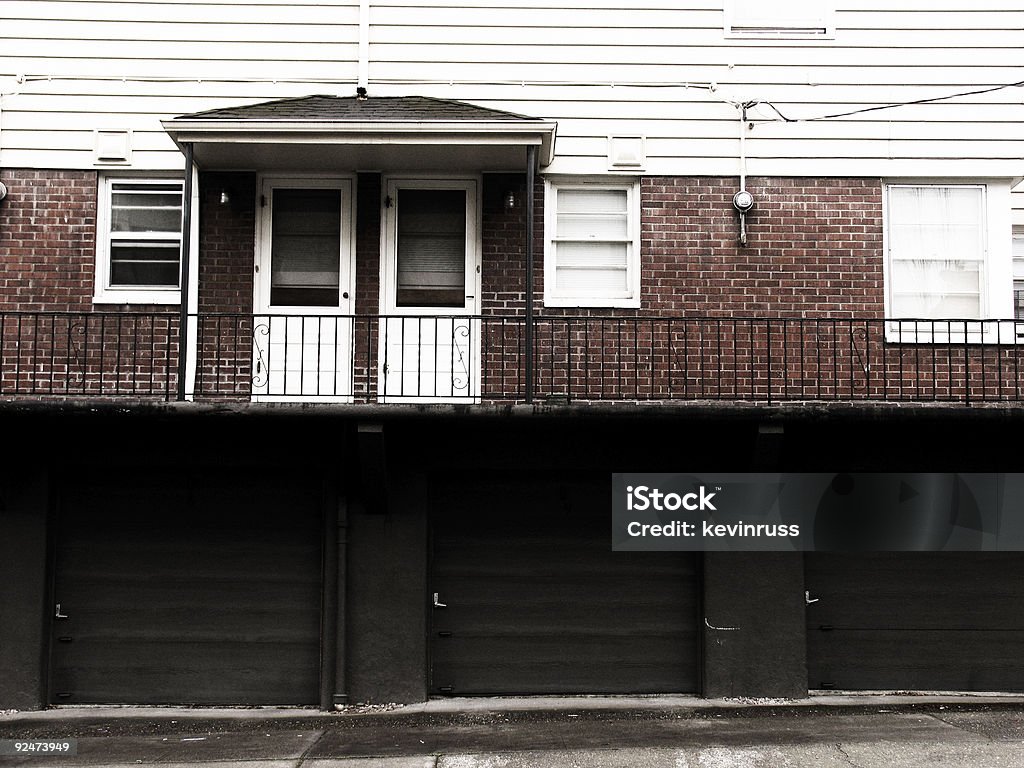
<point>387,109</point>
<point>378,132</point>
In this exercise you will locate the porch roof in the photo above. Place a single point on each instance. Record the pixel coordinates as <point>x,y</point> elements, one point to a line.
<point>358,133</point>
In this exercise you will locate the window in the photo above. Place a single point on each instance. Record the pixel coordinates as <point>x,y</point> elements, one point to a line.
<point>431,248</point>
<point>593,252</point>
<point>947,257</point>
<point>782,19</point>
<point>1018,273</point>
<point>138,251</point>
<point>936,246</point>
<point>305,247</point>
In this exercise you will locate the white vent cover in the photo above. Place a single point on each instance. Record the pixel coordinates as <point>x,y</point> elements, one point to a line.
<point>626,152</point>
<point>113,146</point>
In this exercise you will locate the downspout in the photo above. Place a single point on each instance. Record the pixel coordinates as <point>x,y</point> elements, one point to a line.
<point>531,160</point>
<point>186,247</point>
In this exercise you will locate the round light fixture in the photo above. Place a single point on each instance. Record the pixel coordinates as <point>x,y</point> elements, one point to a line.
<point>3,190</point>
<point>743,201</point>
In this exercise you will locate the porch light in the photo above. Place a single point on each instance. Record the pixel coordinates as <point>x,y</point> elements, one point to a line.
<point>510,200</point>
<point>3,190</point>
<point>225,197</point>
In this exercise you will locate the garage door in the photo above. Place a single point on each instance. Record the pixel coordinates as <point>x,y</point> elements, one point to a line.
<point>533,599</point>
<point>916,621</point>
<point>188,588</point>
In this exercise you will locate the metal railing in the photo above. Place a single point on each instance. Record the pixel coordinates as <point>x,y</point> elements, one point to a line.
<point>444,358</point>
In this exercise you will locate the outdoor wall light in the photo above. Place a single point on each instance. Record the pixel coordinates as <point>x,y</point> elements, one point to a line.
<point>225,197</point>
<point>743,201</point>
<point>510,200</point>
<point>3,190</point>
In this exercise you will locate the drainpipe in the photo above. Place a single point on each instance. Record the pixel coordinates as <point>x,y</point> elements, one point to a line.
<point>531,160</point>
<point>186,245</point>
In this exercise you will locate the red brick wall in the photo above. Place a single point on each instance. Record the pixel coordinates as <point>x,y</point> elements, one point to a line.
<point>227,242</point>
<point>47,240</point>
<point>814,248</point>
<point>504,244</point>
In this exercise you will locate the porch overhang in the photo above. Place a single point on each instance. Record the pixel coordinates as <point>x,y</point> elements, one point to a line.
<point>391,134</point>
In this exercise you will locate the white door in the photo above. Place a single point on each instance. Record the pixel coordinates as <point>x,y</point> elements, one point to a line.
<point>302,328</point>
<point>429,345</point>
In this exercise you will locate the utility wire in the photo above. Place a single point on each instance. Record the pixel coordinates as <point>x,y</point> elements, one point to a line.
<point>889,106</point>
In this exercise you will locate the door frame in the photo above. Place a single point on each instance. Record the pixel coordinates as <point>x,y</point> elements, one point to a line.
<point>265,185</point>
<point>472,184</point>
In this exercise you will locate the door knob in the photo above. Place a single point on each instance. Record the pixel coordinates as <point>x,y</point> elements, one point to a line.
<point>438,603</point>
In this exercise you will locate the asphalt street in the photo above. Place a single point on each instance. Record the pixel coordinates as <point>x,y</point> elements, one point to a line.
<point>577,732</point>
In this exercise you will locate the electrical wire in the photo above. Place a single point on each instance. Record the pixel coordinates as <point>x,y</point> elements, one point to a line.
<point>889,106</point>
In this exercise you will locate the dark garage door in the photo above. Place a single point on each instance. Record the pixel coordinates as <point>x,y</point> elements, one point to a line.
<point>537,601</point>
<point>916,621</point>
<point>188,588</point>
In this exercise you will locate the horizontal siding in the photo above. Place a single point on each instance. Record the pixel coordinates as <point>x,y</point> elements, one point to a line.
<point>598,68</point>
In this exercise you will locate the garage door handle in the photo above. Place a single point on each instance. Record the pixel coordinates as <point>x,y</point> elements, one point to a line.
<point>438,603</point>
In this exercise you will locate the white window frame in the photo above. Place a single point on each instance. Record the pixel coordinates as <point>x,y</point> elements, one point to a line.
<point>821,26</point>
<point>630,299</point>
<point>104,293</point>
<point>1017,258</point>
<point>996,270</point>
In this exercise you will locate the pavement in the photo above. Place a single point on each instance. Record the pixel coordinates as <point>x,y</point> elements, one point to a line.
<point>882,730</point>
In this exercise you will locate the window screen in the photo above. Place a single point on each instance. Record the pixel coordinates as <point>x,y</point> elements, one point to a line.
<point>305,247</point>
<point>431,249</point>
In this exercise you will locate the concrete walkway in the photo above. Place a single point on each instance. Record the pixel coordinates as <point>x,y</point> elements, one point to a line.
<point>841,731</point>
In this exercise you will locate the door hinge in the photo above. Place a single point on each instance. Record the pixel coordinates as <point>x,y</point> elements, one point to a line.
<point>387,201</point>
<point>263,201</point>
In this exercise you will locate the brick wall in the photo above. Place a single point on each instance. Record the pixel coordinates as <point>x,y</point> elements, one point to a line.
<point>814,248</point>
<point>47,240</point>
<point>227,242</point>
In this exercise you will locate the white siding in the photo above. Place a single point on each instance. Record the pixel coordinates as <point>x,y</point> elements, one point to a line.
<point>598,67</point>
<point>71,67</point>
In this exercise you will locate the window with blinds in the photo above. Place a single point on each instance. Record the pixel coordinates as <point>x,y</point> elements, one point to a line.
<point>305,247</point>
<point>431,247</point>
<point>592,249</point>
<point>145,234</point>
<point>936,245</point>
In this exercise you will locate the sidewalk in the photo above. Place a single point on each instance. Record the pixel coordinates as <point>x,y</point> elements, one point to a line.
<point>841,731</point>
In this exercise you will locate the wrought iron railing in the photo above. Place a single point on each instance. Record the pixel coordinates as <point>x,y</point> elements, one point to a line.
<point>575,358</point>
